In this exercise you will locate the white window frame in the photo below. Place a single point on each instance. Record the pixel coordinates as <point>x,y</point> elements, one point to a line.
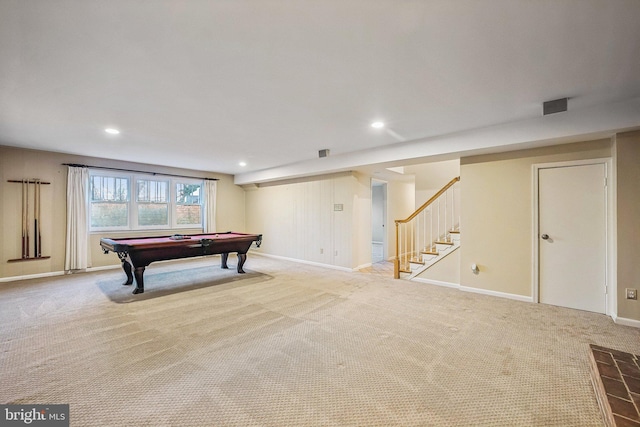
<point>174,201</point>
<point>132,203</point>
<point>135,204</point>
<point>93,173</point>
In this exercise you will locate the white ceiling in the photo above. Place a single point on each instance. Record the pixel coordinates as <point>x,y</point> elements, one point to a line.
<point>206,84</point>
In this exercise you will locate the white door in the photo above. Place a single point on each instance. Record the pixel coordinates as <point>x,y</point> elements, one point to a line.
<point>572,236</point>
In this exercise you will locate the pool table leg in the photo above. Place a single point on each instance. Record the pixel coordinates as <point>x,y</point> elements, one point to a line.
<point>223,262</point>
<point>241,259</point>
<point>127,269</point>
<point>139,272</point>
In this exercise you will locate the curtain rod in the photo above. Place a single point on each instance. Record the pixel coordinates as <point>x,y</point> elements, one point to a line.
<point>136,171</point>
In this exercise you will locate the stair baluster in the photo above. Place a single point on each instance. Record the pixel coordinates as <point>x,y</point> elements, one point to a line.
<point>411,235</point>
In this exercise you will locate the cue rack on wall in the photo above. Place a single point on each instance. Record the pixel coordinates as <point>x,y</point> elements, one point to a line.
<point>30,211</point>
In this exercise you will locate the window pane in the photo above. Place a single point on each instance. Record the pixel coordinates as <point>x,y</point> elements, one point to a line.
<point>188,214</point>
<point>188,194</point>
<point>109,214</point>
<point>153,214</point>
<point>152,191</point>
<point>109,188</point>
<point>109,197</point>
<point>188,201</point>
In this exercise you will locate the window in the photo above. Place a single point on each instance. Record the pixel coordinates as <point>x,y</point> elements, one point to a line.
<point>188,204</point>
<point>159,203</point>
<point>153,203</point>
<point>109,202</point>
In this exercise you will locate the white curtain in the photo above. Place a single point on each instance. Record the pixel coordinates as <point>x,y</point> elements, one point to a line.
<point>210,189</point>
<point>77,255</point>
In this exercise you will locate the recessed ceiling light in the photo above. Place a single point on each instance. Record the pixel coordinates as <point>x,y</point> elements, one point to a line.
<point>377,125</point>
<point>112,131</point>
<point>243,164</point>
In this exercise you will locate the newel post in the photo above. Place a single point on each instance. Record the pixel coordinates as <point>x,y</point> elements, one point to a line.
<point>396,260</point>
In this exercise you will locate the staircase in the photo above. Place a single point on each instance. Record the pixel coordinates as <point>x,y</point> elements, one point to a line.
<point>429,234</point>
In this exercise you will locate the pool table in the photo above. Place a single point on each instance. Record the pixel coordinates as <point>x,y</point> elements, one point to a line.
<point>137,253</point>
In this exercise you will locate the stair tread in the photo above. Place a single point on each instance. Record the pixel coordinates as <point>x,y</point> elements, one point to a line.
<point>444,243</point>
<point>430,252</point>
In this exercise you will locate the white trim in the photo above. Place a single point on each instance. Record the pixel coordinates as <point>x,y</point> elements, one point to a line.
<point>626,322</point>
<point>609,238</point>
<point>104,267</point>
<point>462,288</point>
<point>301,261</point>
<point>31,276</point>
<point>436,282</point>
<point>516,297</point>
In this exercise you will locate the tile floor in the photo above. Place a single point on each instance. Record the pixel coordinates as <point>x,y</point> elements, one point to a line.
<point>616,379</point>
<point>382,268</point>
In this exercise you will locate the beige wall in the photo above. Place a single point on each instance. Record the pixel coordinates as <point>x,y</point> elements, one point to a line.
<point>19,164</point>
<point>400,204</point>
<point>431,177</point>
<point>298,220</point>
<point>627,161</point>
<point>497,206</point>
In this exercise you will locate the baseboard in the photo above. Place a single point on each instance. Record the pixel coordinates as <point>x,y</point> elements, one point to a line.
<point>104,267</point>
<point>474,290</point>
<point>31,276</point>
<point>302,261</point>
<point>436,282</point>
<point>516,297</point>
<point>84,270</point>
<point>626,322</point>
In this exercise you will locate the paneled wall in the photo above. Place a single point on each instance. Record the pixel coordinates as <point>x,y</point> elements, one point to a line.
<point>321,219</point>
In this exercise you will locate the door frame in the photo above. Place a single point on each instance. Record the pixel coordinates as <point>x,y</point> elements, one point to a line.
<point>384,185</point>
<point>611,285</point>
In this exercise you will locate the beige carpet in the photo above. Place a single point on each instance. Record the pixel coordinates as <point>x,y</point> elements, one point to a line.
<point>294,345</point>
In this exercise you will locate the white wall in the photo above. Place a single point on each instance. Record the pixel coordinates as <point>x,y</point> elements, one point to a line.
<point>300,219</point>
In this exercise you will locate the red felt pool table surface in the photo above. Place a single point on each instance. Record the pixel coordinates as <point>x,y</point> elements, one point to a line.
<point>144,241</point>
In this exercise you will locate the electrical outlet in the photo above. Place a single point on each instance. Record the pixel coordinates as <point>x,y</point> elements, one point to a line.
<point>632,293</point>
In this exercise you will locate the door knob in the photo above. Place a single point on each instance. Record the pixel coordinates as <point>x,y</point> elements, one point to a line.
<point>545,236</point>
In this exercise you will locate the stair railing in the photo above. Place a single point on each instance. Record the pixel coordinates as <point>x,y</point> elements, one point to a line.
<point>431,223</point>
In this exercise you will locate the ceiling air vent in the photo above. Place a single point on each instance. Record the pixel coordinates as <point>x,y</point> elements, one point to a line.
<point>555,106</point>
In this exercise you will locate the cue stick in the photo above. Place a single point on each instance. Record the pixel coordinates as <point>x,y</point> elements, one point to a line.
<point>24,221</point>
<point>26,228</point>
<point>39,206</point>
<point>35,217</point>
